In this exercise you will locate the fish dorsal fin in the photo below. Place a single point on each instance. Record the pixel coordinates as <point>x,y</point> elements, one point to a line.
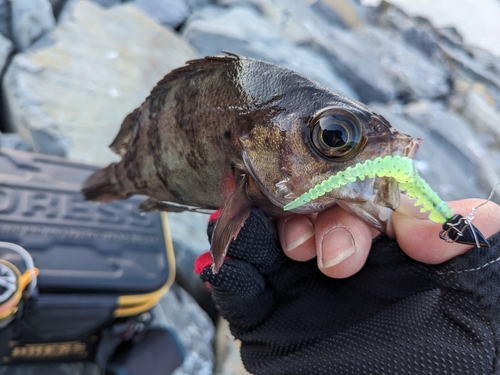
<point>191,68</point>
<point>155,99</point>
<point>231,219</point>
<point>122,139</point>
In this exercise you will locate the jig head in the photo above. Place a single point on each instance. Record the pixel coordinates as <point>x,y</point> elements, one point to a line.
<point>460,229</point>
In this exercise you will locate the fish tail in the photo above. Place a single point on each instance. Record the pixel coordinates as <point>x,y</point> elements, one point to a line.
<point>104,186</point>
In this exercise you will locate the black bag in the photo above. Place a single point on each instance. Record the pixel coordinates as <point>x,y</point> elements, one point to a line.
<point>101,266</point>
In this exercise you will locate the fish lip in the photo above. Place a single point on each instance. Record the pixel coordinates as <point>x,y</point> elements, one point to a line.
<point>411,149</point>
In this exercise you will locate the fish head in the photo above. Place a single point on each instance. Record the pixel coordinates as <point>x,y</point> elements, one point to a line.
<point>303,147</point>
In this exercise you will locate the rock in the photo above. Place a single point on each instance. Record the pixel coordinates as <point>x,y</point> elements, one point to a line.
<point>477,22</point>
<point>5,19</point>
<point>107,3</point>
<point>167,12</point>
<point>49,142</point>
<point>194,4</point>
<point>30,20</point>
<point>461,142</point>
<point>14,141</point>
<point>463,63</point>
<point>79,82</point>
<point>366,77</point>
<point>348,13</point>
<point>448,169</point>
<point>6,49</point>
<point>227,351</point>
<point>56,3</point>
<point>485,58</point>
<point>57,6</point>
<point>64,6</point>
<point>293,18</point>
<point>376,64</point>
<point>444,46</point>
<point>482,116</point>
<point>381,68</point>
<point>242,30</point>
<point>417,32</point>
<point>178,311</point>
<point>189,236</point>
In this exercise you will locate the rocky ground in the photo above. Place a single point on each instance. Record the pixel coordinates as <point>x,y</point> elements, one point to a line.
<point>72,69</point>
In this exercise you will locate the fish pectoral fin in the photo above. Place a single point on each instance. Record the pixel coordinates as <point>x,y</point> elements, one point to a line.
<point>231,219</point>
<point>120,144</point>
<point>375,215</point>
<point>387,192</point>
<point>153,204</point>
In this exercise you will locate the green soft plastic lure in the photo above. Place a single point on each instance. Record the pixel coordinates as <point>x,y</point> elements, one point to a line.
<point>456,228</point>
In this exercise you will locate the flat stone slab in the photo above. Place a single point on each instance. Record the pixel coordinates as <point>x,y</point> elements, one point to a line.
<point>79,82</point>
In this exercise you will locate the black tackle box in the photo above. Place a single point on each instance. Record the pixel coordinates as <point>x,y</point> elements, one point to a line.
<point>97,268</point>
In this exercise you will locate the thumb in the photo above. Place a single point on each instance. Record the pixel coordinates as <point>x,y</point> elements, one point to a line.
<point>419,237</point>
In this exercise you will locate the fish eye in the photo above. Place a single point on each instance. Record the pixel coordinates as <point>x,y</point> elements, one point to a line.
<point>336,133</point>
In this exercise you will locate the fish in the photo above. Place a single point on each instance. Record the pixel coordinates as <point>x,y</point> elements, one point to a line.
<point>234,133</point>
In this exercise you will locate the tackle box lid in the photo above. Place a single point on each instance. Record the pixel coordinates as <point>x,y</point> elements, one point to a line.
<point>78,246</point>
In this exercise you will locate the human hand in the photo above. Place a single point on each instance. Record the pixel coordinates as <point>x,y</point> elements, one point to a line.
<point>342,241</point>
<point>396,315</point>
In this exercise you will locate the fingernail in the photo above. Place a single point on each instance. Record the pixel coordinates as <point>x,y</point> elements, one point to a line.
<point>336,246</point>
<point>293,238</point>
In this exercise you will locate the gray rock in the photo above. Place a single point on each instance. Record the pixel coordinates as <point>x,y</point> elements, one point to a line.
<point>416,31</point>
<point>30,20</point>
<point>447,168</point>
<point>64,7</point>
<point>227,350</point>
<point>381,68</point>
<point>366,76</point>
<point>107,3</point>
<point>194,4</point>
<point>462,62</point>
<point>178,311</point>
<point>49,142</point>
<point>486,59</point>
<point>242,30</point>
<point>5,19</point>
<point>57,3</point>
<point>483,116</point>
<point>476,21</point>
<point>458,138</point>
<point>6,49</point>
<point>167,12</point>
<point>82,80</point>
<point>348,13</point>
<point>293,18</point>
<point>377,65</point>
<point>189,236</point>
<point>14,141</point>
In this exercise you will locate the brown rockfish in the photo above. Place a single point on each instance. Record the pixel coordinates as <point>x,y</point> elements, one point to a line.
<point>238,133</point>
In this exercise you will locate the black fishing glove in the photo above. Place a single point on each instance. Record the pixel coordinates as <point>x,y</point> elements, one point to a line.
<point>395,316</point>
